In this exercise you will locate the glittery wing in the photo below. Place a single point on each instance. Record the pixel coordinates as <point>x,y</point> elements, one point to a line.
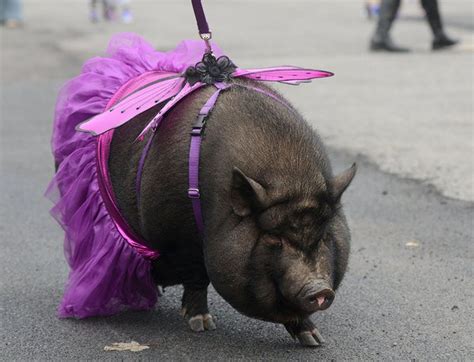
<point>134,104</point>
<point>186,90</point>
<point>284,74</point>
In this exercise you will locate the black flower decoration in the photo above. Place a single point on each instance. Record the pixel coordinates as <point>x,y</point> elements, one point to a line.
<point>210,70</point>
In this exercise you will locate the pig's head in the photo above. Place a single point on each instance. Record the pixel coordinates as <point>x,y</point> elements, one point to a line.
<point>283,251</point>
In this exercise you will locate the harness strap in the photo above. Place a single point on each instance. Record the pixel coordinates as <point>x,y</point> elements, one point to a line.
<point>141,162</point>
<point>194,153</point>
<point>195,147</point>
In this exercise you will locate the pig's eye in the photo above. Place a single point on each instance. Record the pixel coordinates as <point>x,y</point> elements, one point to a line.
<point>303,218</point>
<point>325,213</point>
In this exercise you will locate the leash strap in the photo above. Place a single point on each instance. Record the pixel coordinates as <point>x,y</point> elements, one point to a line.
<point>200,17</point>
<point>194,153</point>
<point>203,27</point>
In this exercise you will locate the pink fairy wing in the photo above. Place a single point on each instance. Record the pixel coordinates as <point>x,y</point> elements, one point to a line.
<point>134,104</point>
<point>186,90</point>
<point>284,74</point>
<point>155,90</point>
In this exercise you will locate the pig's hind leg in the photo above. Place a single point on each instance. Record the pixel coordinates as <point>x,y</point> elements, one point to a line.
<point>184,265</point>
<point>306,333</point>
<point>195,309</point>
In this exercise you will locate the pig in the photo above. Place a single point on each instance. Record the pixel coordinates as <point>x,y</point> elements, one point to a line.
<point>276,241</point>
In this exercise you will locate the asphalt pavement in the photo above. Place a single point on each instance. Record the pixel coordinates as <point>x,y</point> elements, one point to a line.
<point>408,293</point>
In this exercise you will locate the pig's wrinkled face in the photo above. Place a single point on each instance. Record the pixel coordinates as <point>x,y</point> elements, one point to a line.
<point>292,259</point>
<point>293,251</point>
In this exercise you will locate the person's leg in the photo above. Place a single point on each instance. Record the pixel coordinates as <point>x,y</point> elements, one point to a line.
<point>381,39</point>
<point>127,16</point>
<point>434,19</point>
<point>372,8</point>
<point>110,8</point>
<point>3,4</point>
<point>94,14</point>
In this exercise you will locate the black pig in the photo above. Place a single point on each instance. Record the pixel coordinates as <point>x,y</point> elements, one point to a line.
<point>276,241</point>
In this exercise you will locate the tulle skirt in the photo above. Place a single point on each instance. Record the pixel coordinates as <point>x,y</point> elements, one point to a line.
<point>107,275</point>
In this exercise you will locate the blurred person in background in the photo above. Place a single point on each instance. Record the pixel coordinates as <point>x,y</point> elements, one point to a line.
<point>381,40</point>
<point>110,9</point>
<point>11,13</point>
<point>372,8</point>
<point>126,13</point>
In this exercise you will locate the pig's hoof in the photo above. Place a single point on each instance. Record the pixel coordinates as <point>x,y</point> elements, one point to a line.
<point>310,338</point>
<point>305,332</point>
<point>201,323</point>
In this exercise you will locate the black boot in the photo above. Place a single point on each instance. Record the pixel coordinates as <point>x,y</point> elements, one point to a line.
<point>381,40</point>
<point>386,45</point>
<point>440,39</point>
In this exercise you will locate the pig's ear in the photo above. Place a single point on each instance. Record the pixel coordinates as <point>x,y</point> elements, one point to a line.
<point>339,183</point>
<point>246,194</point>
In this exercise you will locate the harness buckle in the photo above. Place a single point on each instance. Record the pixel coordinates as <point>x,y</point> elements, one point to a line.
<point>194,193</point>
<point>199,125</point>
<point>200,121</point>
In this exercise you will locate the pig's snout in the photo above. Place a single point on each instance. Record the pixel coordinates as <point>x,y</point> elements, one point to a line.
<point>315,296</point>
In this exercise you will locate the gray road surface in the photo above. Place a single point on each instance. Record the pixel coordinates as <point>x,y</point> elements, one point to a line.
<point>397,301</point>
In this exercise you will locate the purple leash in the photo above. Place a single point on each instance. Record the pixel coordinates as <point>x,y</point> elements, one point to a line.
<point>203,27</point>
<point>205,35</point>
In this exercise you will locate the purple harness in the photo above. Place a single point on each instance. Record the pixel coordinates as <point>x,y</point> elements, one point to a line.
<point>194,153</point>
<point>195,150</point>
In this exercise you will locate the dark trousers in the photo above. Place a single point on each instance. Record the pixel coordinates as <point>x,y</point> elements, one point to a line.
<point>389,10</point>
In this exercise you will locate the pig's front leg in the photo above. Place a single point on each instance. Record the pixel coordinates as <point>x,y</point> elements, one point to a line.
<point>195,310</point>
<point>306,333</point>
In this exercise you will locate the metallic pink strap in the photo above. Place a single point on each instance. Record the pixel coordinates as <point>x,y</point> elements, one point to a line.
<point>103,150</point>
<point>105,184</point>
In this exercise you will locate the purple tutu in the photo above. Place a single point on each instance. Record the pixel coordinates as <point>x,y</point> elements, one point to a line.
<point>107,274</point>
